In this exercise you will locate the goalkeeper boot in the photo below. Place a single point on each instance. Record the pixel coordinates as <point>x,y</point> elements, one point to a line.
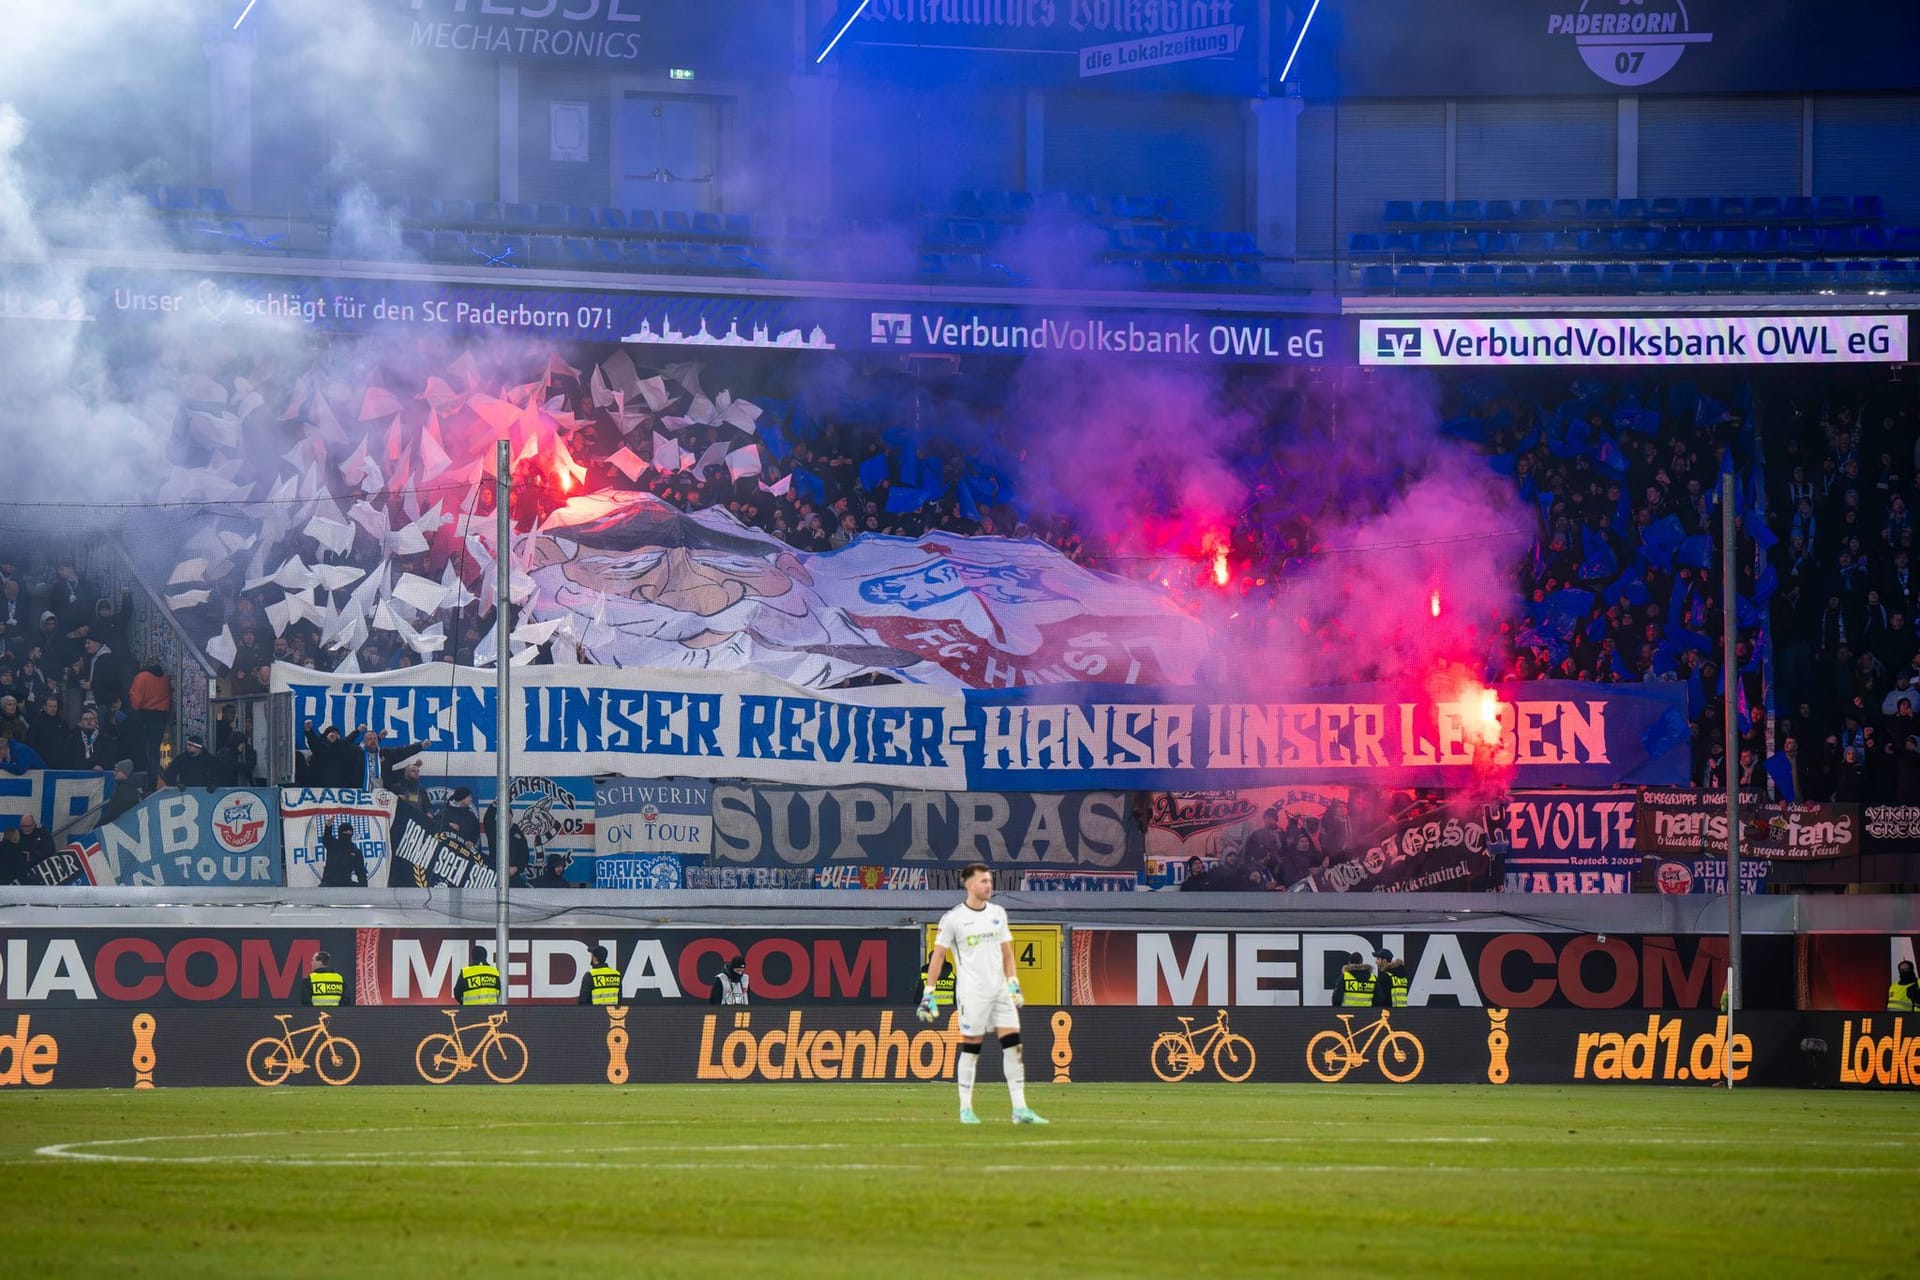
<point>1026,1115</point>
<point>967,1116</point>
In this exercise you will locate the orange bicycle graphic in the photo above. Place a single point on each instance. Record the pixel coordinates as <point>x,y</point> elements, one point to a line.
<point>443,1055</point>
<point>271,1059</point>
<point>1175,1055</point>
<point>1331,1054</point>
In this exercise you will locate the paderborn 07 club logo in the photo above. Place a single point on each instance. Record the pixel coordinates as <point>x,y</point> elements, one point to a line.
<point>1629,42</point>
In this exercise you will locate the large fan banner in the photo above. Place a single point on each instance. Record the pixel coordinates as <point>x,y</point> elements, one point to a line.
<point>650,723</point>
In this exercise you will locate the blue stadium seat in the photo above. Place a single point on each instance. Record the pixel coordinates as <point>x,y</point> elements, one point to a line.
<point>1731,242</point>
<point>1244,272</point>
<point>1533,213</point>
<point>1432,213</point>
<point>1698,210</point>
<point>1636,242</point>
<point>580,219</point>
<point>1764,208</point>
<point>550,217</point>
<point>966,204</point>
<point>1465,211</point>
<point>486,213</point>
<point>960,231</point>
<point>1410,280</point>
<point>1154,272</point>
<point>1566,213</point>
<point>1019,205</point>
<point>737,226</point>
<point>1694,241</point>
<point>992,204</point>
<point>1616,278</point>
<point>643,222</point>
<point>1718,277</point>
<point>1600,212</point>
<point>1400,245</point>
<point>1684,277</point>
<point>1447,281</point>
<point>1242,244</point>
<point>1672,242</point>
<point>1363,245</point>
<point>1515,278</point>
<point>1789,277</point>
<point>1897,275</point>
<point>636,255</point>
<point>1731,209</point>
<point>1550,277</point>
<point>1833,208</point>
<point>580,253</point>
<point>516,217</point>
<point>610,222</point>
<point>1870,240</point>
<point>1435,244</point>
<point>211,200</point>
<point>1377,279</point>
<point>1665,209</point>
<point>1905,242</point>
<point>1823,275</point>
<point>420,209</point>
<point>1399,213</point>
<point>1181,240</point>
<point>606,252</point>
<point>1583,277</point>
<point>932,264</point>
<point>1631,210</point>
<point>1133,206</point>
<point>1836,241</point>
<point>1756,277</point>
<point>1593,244</point>
<point>708,224</point>
<point>1500,211</point>
<point>545,251</point>
<point>1497,244</point>
<point>416,244</point>
<point>1868,208</point>
<point>1535,244</point>
<point>1770,241</point>
<point>1859,276</point>
<point>1479,280</point>
<point>737,259</point>
<point>1797,209</point>
<point>1803,240</point>
<point>449,246</point>
<point>1650,277</point>
<point>1470,246</point>
<point>674,222</point>
<point>456,213</point>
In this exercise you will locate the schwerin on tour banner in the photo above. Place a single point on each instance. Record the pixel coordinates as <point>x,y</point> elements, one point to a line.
<point>643,722</point>
<point>1167,1048</point>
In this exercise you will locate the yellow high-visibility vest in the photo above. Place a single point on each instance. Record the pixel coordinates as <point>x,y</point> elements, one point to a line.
<point>1900,997</point>
<point>1356,990</point>
<point>481,984</point>
<point>325,988</point>
<point>606,984</point>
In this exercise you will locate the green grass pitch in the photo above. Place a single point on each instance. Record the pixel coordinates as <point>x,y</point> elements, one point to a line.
<point>878,1180</point>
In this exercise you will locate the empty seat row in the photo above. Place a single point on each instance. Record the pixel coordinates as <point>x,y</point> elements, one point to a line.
<point>165,199</point>
<point>1016,206</point>
<point>1653,277</point>
<point>1605,212</point>
<point>1694,242</point>
<point>578,253</point>
<point>421,212</point>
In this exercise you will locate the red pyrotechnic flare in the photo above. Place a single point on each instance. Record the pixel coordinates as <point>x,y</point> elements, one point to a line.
<point>1216,545</point>
<point>1436,604</point>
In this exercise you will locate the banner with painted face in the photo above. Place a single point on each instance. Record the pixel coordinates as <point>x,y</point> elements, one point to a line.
<point>1435,844</point>
<point>1571,842</point>
<point>569,720</point>
<point>886,827</point>
<point>555,814</point>
<point>227,838</point>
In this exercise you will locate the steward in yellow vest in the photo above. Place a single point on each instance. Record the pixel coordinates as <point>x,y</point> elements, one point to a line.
<point>325,988</point>
<point>601,983</point>
<point>1356,985</point>
<point>479,983</point>
<point>1900,996</point>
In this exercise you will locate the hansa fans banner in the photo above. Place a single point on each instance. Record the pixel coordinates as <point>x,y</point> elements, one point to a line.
<point>605,720</point>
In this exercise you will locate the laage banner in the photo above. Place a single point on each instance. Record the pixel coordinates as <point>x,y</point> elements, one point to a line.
<point>643,722</point>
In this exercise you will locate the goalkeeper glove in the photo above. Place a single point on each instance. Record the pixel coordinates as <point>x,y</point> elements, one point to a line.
<point>1013,992</point>
<point>929,1006</point>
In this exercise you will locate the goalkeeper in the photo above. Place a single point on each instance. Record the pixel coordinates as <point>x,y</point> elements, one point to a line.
<point>986,990</point>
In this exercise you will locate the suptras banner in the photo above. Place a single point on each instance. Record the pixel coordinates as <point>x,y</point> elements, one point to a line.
<point>605,720</point>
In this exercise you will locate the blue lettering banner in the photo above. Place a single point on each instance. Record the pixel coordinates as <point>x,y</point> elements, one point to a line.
<point>640,722</point>
<point>188,837</point>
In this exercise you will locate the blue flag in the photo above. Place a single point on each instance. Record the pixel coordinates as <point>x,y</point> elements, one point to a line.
<point>1661,539</point>
<point>1780,769</point>
<point>1596,557</point>
<point>873,472</point>
<point>1696,552</point>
